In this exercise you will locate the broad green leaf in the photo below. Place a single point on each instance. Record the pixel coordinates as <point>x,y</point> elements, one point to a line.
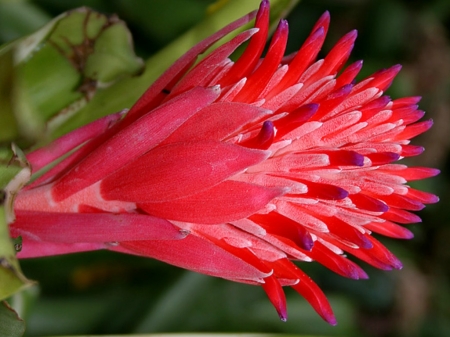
<point>10,323</point>
<point>52,73</point>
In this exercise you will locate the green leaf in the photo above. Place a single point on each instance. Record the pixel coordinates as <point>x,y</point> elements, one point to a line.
<point>10,323</point>
<point>49,75</point>
<point>13,176</point>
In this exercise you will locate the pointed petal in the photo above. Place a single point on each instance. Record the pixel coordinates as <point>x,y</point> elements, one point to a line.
<point>196,76</point>
<point>92,227</point>
<point>400,216</point>
<point>424,197</point>
<point>279,225</point>
<point>306,54</point>
<point>336,58</point>
<point>276,295</point>
<point>382,79</point>
<point>337,263</point>
<point>249,59</point>
<point>203,257</point>
<point>312,293</point>
<point>378,256</point>
<point>390,229</point>
<point>349,74</point>
<point>258,80</point>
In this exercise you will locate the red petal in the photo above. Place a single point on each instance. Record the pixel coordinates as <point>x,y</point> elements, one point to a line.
<point>250,58</point>
<point>312,293</point>
<point>217,122</point>
<point>390,229</point>
<point>344,231</point>
<point>413,173</point>
<point>400,216</point>
<point>336,58</point>
<point>424,197</point>
<point>276,295</point>
<point>309,50</point>
<point>345,158</point>
<point>411,150</point>
<point>368,203</point>
<point>302,60</point>
<point>371,108</point>
<point>228,201</point>
<point>381,158</point>
<point>195,254</point>
<point>414,130</point>
<point>399,102</point>
<point>264,139</point>
<point>281,226</point>
<point>349,74</point>
<point>400,201</point>
<point>378,256</point>
<point>325,191</point>
<point>31,248</point>
<point>258,80</point>
<point>382,79</point>
<point>178,170</point>
<point>94,227</point>
<point>332,100</point>
<point>294,119</point>
<point>409,114</point>
<point>242,253</point>
<point>336,263</point>
<point>45,155</point>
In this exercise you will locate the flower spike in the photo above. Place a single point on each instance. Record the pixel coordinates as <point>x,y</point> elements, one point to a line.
<point>236,169</point>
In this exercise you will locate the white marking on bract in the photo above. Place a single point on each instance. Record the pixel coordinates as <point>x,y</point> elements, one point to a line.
<point>331,247</point>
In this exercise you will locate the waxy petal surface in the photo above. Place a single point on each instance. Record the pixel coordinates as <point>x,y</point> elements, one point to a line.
<point>225,202</point>
<point>178,170</point>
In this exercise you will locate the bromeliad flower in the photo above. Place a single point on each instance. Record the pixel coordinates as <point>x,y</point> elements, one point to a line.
<point>236,169</point>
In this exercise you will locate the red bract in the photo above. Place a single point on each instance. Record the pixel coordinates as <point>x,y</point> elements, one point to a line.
<point>235,169</point>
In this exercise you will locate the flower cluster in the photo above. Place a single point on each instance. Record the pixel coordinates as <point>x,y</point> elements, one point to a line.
<point>237,169</point>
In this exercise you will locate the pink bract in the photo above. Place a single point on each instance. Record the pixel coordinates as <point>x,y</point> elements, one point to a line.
<point>236,169</point>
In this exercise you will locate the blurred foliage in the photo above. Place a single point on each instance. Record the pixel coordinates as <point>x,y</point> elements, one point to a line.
<point>106,293</point>
<point>10,324</point>
<point>14,173</point>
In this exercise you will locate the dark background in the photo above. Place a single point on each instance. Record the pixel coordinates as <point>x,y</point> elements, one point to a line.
<point>103,292</point>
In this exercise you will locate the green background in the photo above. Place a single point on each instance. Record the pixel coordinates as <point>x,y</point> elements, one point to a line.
<point>106,293</point>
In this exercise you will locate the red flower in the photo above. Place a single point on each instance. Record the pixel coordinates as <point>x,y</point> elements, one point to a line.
<point>234,169</point>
